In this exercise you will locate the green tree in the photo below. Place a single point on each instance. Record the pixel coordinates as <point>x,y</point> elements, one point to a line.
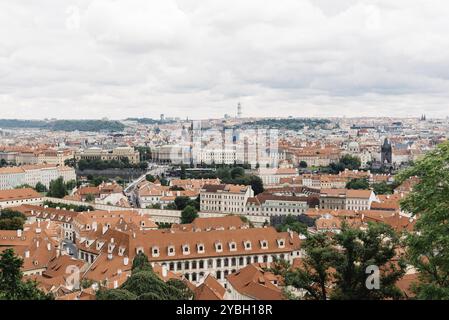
<point>358,184</point>
<point>382,188</point>
<point>188,214</point>
<point>144,284</point>
<point>11,220</point>
<point>428,246</point>
<point>141,263</point>
<point>181,202</point>
<point>150,178</point>
<point>40,187</point>
<point>90,197</point>
<point>314,277</point>
<point>256,184</point>
<point>11,285</point>
<point>237,172</point>
<point>291,223</point>
<point>360,249</point>
<point>57,188</point>
<point>303,164</point>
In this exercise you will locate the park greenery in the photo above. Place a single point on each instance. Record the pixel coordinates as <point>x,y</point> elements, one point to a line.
<point>358,184</point>
<point>149,121</point>
<point>97,164</point>
<point>11,219</point>
<point>295,124</point>
<point>76,208</point>
<point>12,287</point>
<point>144,284</point>
<point>346,162</point>
<point>64,125</point>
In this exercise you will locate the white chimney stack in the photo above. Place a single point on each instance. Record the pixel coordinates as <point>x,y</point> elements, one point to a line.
<point>105,228</point>
<point>109,256</point>
<point>19,233</point>
<point>125,261</point>
<point>48,246</point>
<point>115,284</point>
<point>37,244</point>
<point>27,253</point>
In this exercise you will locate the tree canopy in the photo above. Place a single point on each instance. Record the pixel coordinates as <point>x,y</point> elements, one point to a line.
<point>11,285</point>
<point>144,284</point>
<point>428,246</point>
<point>342,262</point>
<point>11,219</point>
<point>188,214</point>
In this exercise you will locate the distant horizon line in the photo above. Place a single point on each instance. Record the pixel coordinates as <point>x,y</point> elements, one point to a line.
<point>178,118</point>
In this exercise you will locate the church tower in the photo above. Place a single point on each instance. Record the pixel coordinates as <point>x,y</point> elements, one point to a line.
<point>386,152</point>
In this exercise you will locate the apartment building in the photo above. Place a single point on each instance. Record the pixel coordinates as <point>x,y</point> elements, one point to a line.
<point>55,157</point>
<point>274,176</point>
<point>118,153</point>
<point>225,198</point>
<point>266,204</point>
<point>195,255</point>
<point>346,199</point>
<point>11,177</point>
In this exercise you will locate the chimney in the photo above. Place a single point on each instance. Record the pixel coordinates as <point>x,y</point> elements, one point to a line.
<point>27,253</point>
<point>115,284</point>
<point>58,253</point>
<point>48,246</point>
<point>112,240</point>
<point>109,256</point>
<point>105,228</point>
<point>164,271</point>
<point>37,244</point>
<point>19,233</point>
<point>125,261</point>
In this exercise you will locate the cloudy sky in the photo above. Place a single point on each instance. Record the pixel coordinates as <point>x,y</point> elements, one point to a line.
<point>199,58</point>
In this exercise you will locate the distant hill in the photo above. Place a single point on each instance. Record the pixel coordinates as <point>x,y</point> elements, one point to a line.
<point>64,125</point>
<point>149,121</point>
<point>287,124</point>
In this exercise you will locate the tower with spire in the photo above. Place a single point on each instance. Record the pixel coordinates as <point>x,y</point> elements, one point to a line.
<point>239,110</point>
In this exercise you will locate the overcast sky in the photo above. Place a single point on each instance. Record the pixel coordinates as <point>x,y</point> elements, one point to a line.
<point>199,58</point>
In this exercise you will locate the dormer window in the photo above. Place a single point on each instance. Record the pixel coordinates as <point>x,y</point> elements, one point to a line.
<point>264,244</point>
<point>155,251</point>
<point>232,246</point>
<point>185,249</point>
<point>281,243</point>
<point>218,247</point>
<point>121,251</point>
<point>200,248</point>
<point>171,250</point>
<point>139,250</point>
<point>247,245</point>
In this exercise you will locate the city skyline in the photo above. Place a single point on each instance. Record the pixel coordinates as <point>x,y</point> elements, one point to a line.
<point>93,58</point>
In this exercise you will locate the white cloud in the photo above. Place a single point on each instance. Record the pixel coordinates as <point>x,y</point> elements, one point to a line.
<point>196,58</point>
